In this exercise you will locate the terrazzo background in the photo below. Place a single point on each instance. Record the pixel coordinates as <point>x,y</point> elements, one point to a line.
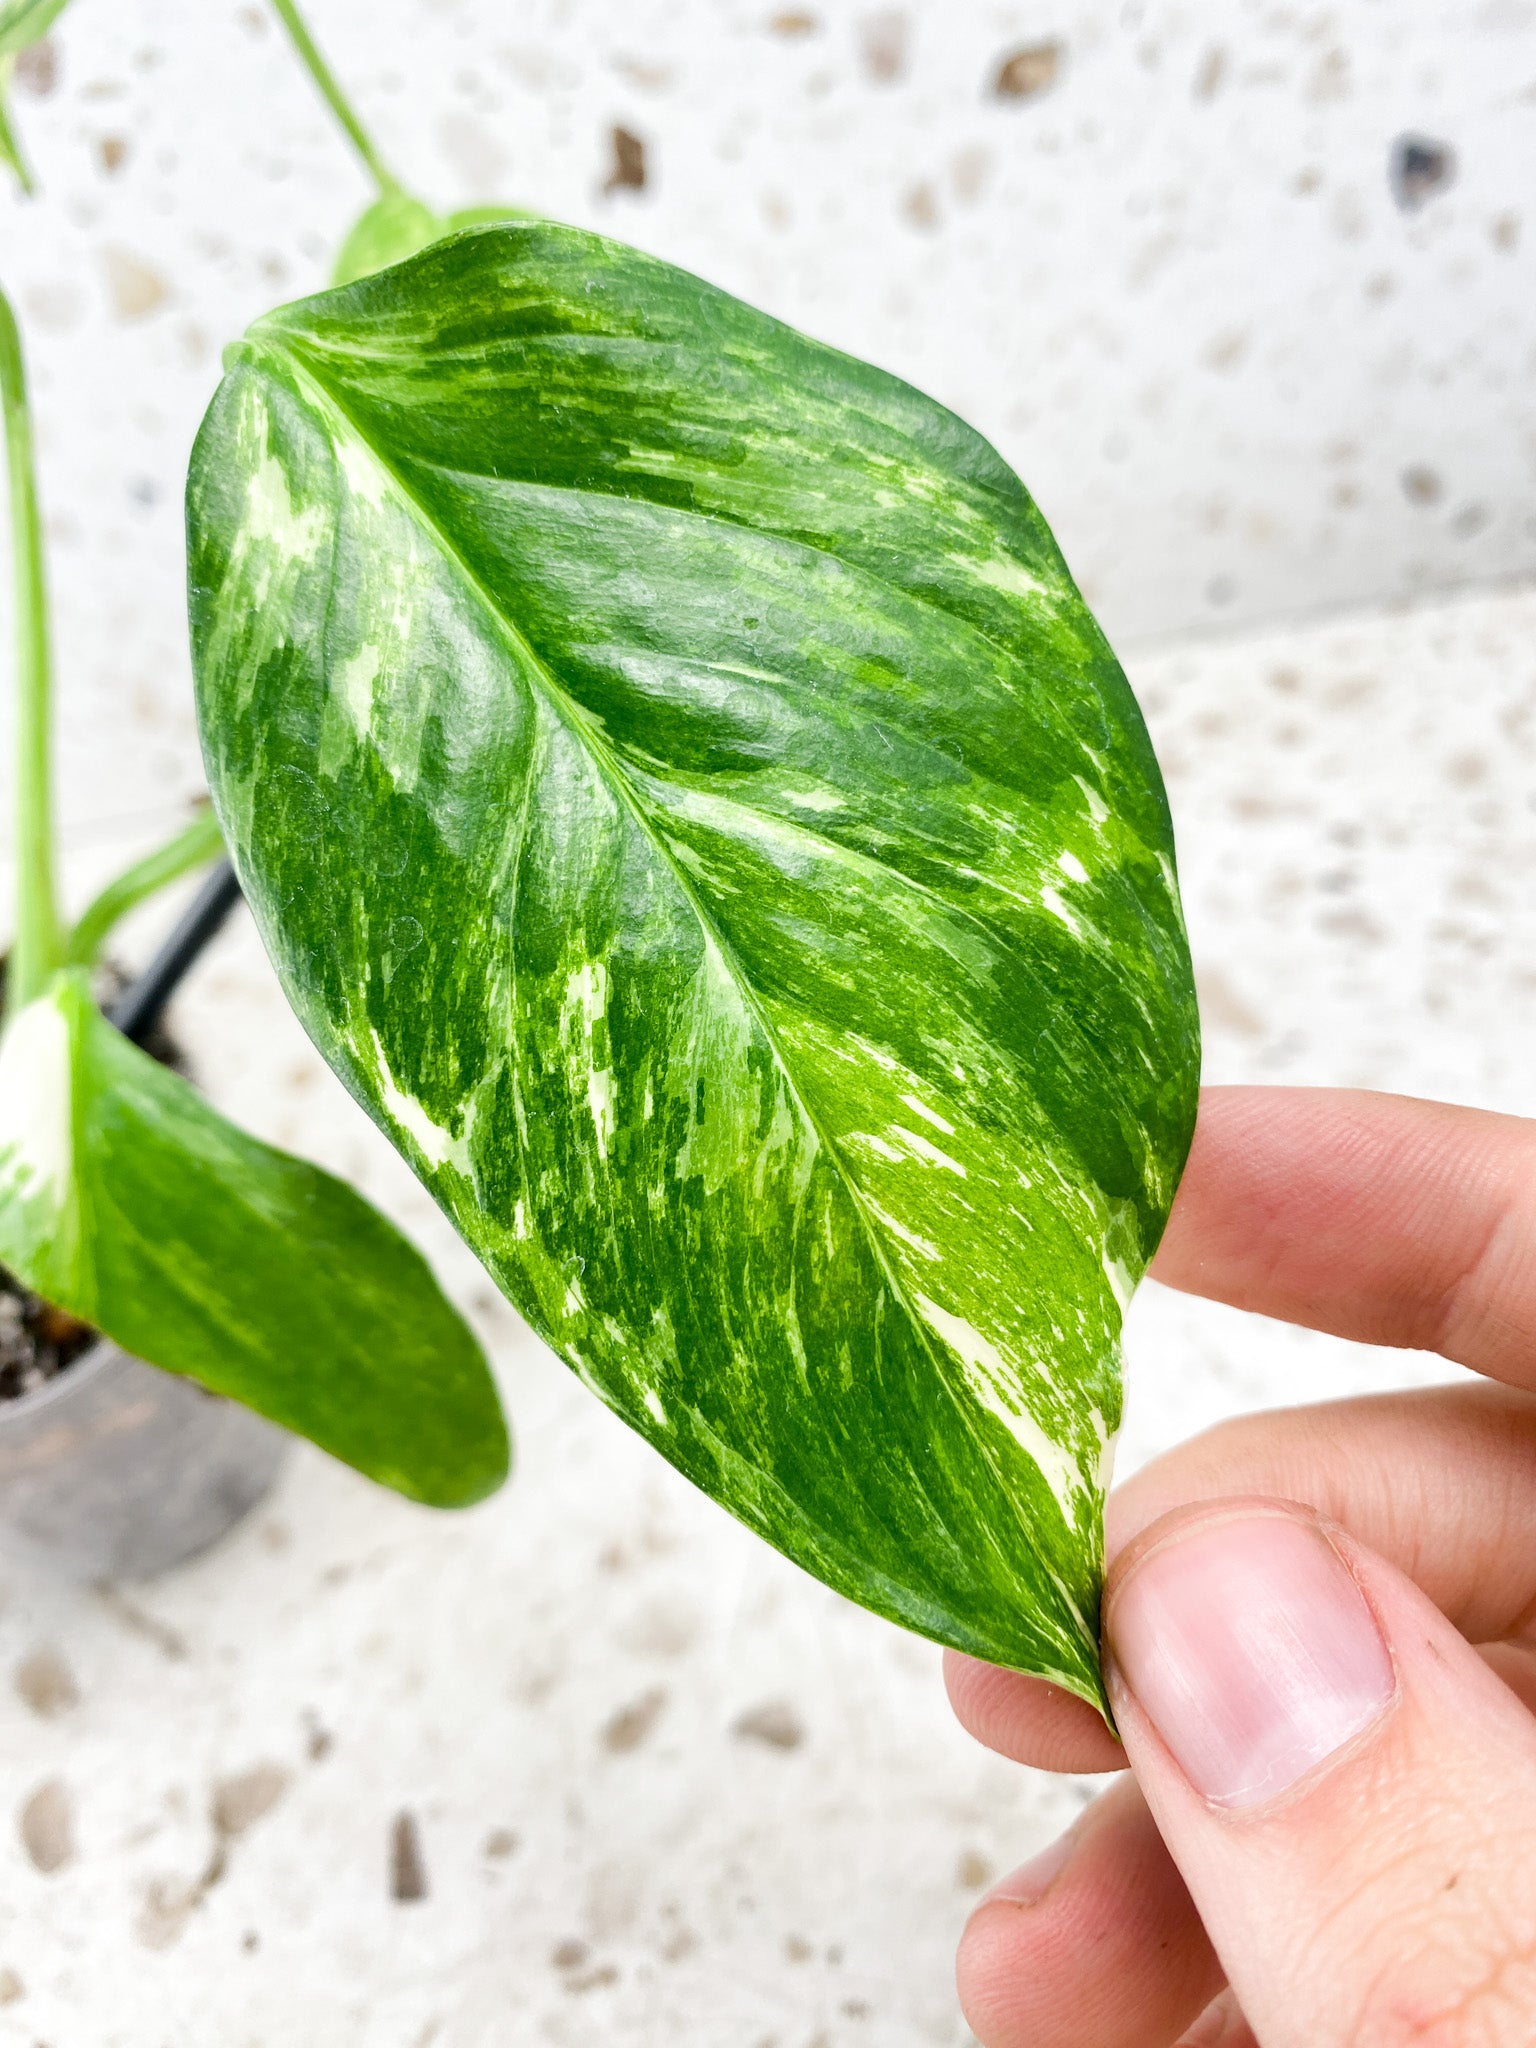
<point>661,1788</point>
<point>666,1789</point>
<point>1172,281</point>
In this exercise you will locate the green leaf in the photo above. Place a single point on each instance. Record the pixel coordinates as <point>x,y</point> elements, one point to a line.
<point>25,22</point>
<point>487,216</point>
<point>22,23</point>
<point>10,147</point>
<point>397,226</point>
<point>127,1200</point>
<point>192,847</point>
<point>688,802</point>
<point>392,228</point>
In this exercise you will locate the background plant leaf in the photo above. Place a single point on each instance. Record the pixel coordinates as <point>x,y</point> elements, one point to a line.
<point>197,842</point>
<point>25,22</point>
<point>10,148</point>
<point>22,23</point>
<point>487,216</point>
<point>396,226</point>
<point>393,227</point>
<point>691,807</point>
<point>127,1200</point>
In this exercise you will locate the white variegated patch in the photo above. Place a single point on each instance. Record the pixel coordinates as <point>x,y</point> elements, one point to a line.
<point>996,1386</point>
<point>36,1156</point>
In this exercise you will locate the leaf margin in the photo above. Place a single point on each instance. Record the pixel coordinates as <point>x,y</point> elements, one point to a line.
<point>64,1254</point>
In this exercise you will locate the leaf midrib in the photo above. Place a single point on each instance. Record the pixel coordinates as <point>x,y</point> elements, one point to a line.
<point>577,719</point>
<point>955,617</point>
<point>833,848</point>
<point>724,517</point>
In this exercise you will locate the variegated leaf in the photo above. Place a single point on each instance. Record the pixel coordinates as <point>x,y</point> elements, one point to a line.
<point>127,1200</point>
<point>688,802</point>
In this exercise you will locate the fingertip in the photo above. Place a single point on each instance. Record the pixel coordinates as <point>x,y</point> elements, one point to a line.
<point>1244,1637</point>
<point>1027,1719</point>
<point>1318,1742</point>
<point>991,1977</point>
<point>1096,1941</point>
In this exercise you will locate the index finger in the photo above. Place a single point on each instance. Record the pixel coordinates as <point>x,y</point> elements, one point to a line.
<point>1377,1217</point>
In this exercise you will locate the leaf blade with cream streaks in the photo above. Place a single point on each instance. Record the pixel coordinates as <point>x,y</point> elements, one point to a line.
<point>127,1199</point>
<point>687,800</point>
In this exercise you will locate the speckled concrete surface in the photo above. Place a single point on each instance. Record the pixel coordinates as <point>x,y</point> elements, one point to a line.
<point>661,1789</point>
<point>665,1789</point>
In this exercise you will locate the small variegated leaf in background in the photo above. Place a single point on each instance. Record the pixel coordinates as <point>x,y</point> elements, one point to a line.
<point>690,805</point>
<point>22,23</point>
<point>396,226</point>
<point>393,227</point>
<point>127,1200</point>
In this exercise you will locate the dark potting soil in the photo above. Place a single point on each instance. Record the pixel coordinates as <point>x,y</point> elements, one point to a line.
<point>37,1340</point>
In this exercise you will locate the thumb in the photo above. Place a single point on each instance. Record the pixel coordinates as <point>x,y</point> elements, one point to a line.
<point>1347,1789</point>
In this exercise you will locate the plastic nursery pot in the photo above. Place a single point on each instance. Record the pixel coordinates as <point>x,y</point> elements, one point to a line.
<point>114,1469</point>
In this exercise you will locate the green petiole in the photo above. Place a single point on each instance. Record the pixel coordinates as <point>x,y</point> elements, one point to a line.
<point>37,951</point>
<point>41,946</point>
<point>10,148</point>
<point>192,847</point>
<point>330,90</point>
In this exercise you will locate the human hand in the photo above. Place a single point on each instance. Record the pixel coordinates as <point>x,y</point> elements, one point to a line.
<point>1321,1635</point>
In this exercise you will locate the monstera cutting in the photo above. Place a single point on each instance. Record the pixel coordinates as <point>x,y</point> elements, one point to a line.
<point>689,804</point>
<point>128,1204</point>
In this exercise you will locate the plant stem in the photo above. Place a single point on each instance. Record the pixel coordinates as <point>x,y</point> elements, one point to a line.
<point>334,97</point>
<point>10,148</point>
<point>193,845</point>
<point>139,1009</point>
<point>37,950</point>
